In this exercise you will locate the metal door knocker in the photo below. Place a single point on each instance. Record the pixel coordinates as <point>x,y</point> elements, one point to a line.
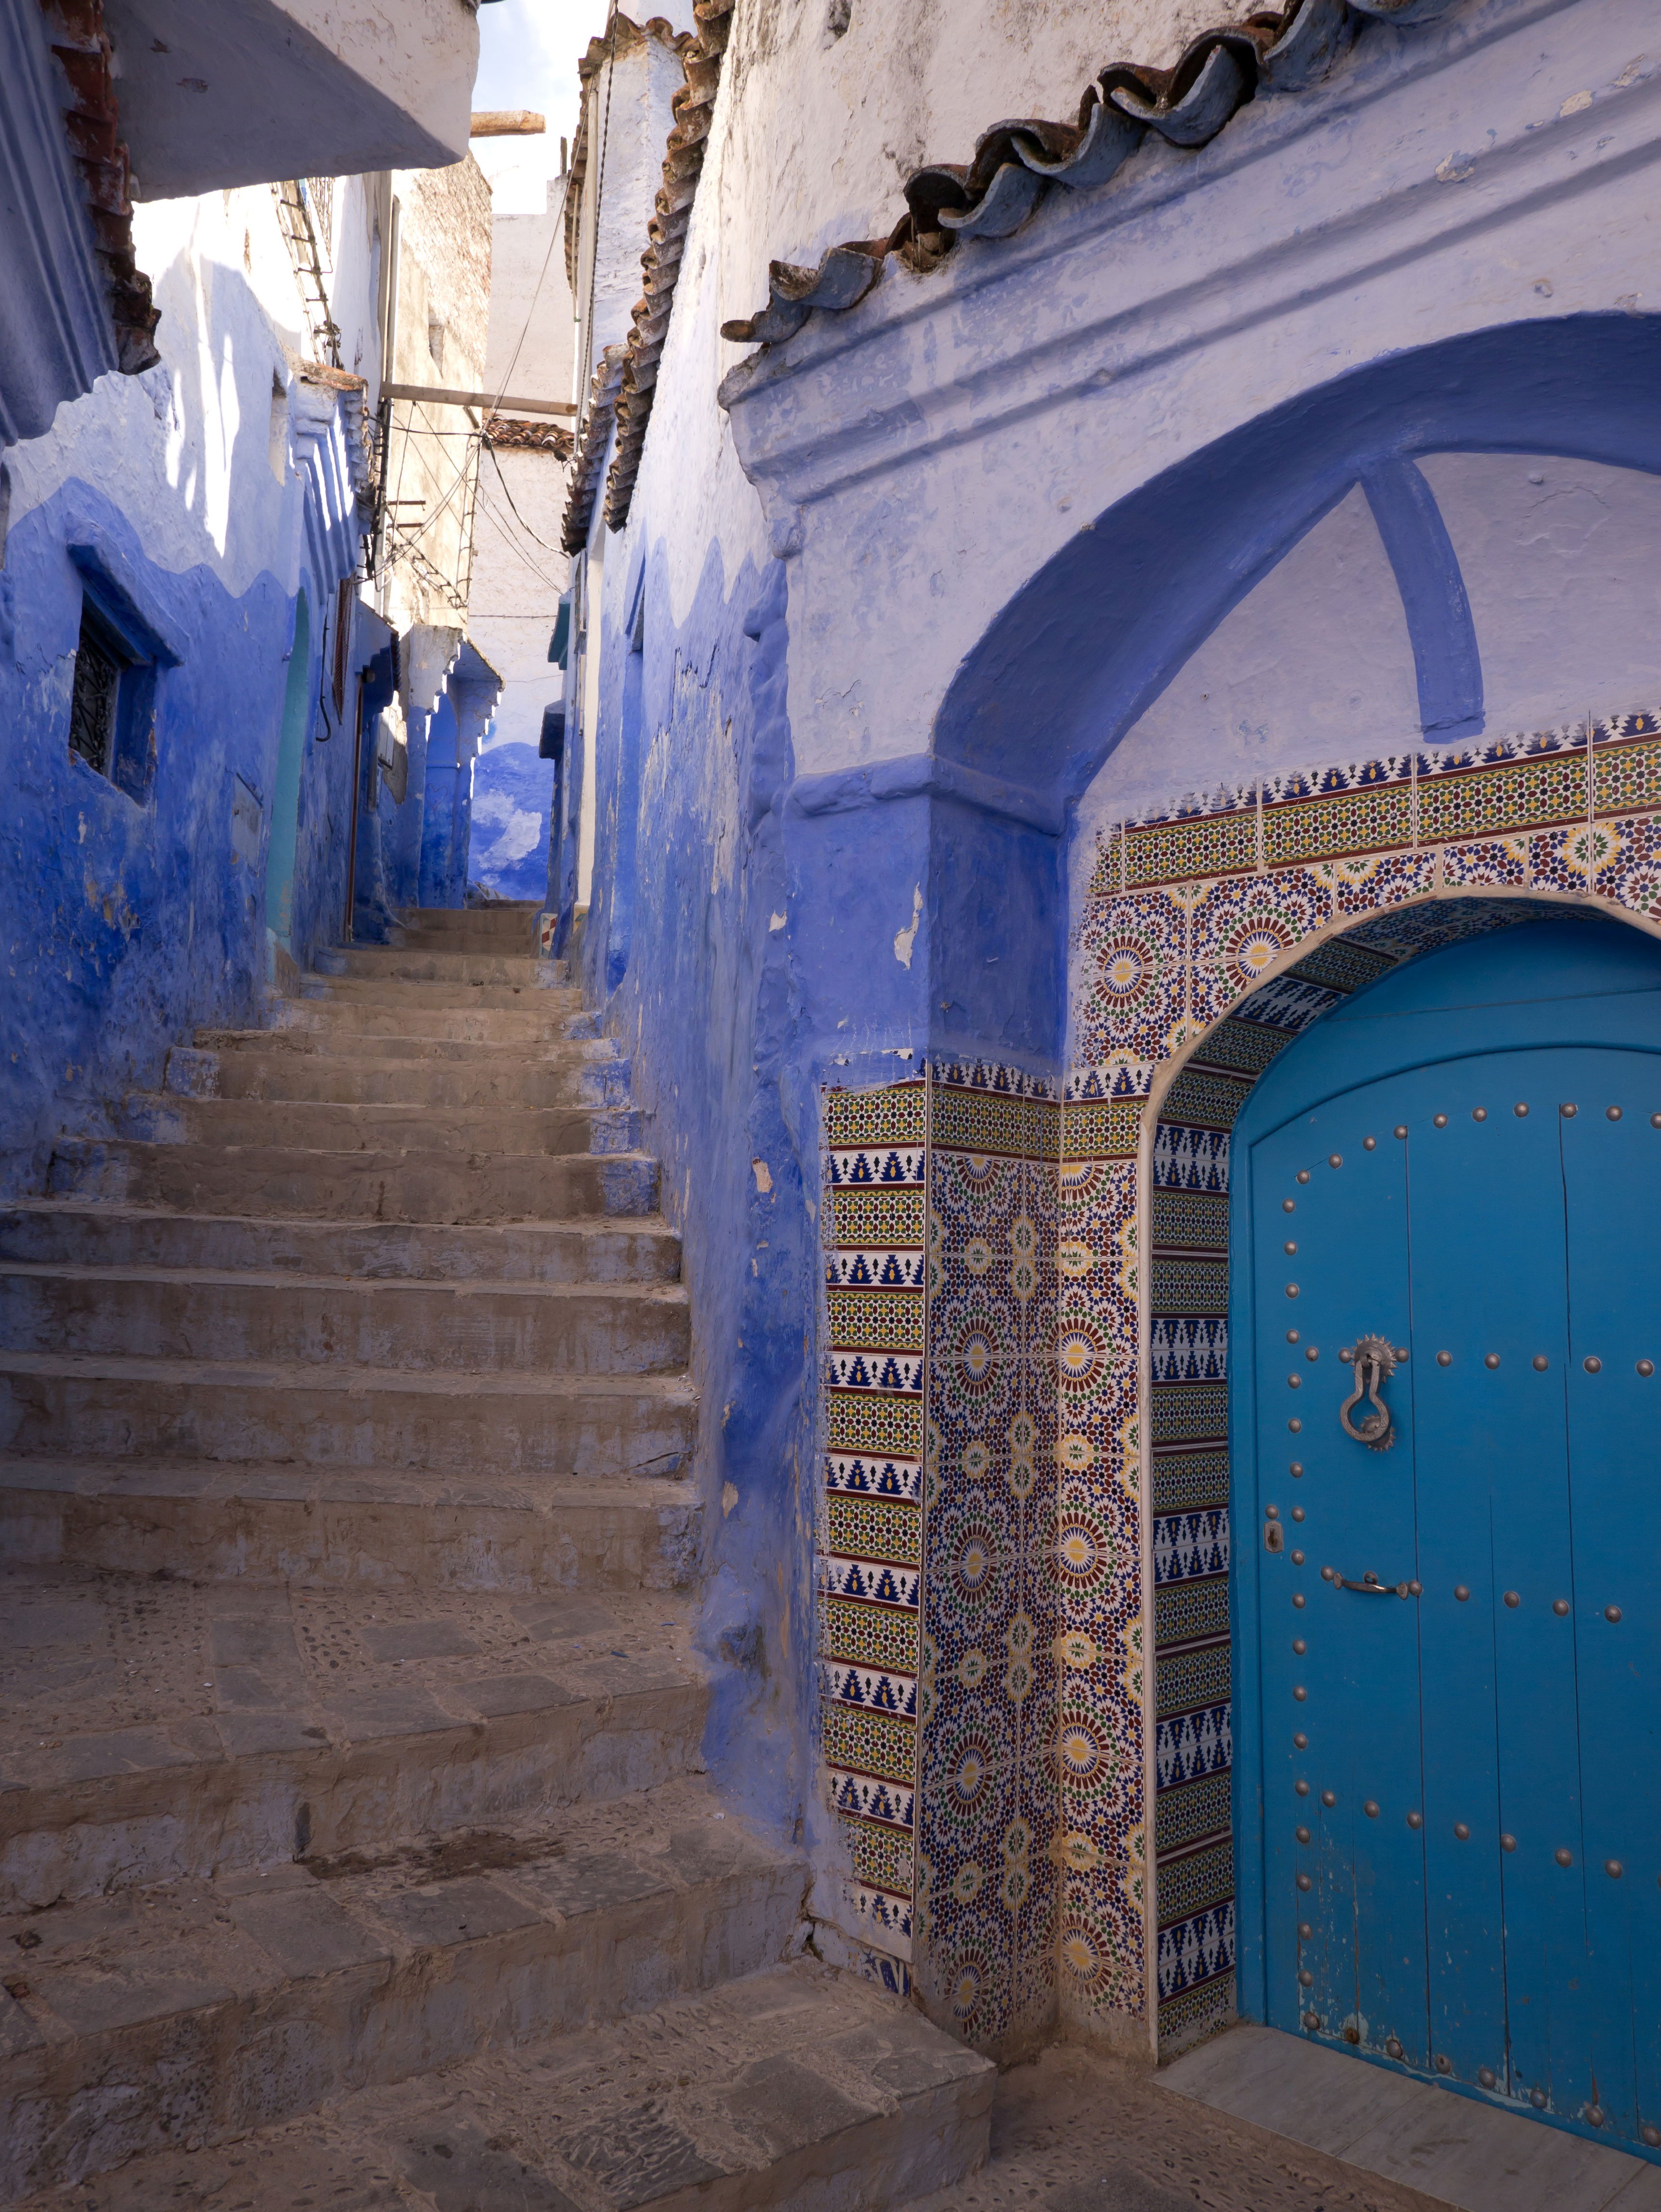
<point>1373,1360</point>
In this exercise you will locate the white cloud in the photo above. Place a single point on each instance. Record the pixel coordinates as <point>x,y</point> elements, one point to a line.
<point>519,834</point>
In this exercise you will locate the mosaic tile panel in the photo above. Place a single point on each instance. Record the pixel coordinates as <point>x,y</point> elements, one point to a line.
<point>991,1458</point>
<point>870,1548</point>
<point>989,1807</point>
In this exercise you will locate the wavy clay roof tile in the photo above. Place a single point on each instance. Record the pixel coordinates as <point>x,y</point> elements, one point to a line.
<point>1017,162</point>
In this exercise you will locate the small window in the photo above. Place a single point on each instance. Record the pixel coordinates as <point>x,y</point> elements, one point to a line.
<point>112,724</point>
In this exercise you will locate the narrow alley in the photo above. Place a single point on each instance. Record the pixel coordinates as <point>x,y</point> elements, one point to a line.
<point>830,1106</point>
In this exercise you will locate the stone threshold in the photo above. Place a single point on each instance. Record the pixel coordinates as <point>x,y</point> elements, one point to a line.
<point>1449,2149</point>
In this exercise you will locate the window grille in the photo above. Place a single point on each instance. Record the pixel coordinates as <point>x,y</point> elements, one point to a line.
<point>95,701</point>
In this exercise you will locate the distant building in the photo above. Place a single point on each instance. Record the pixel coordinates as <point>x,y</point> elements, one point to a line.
<point>519,567</point>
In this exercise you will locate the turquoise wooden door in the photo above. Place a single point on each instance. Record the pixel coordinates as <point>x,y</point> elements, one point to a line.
<point>1453,1330</point>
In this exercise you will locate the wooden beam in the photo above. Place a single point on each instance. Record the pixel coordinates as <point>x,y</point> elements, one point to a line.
<point>506,123</point>
<point>487,401</point>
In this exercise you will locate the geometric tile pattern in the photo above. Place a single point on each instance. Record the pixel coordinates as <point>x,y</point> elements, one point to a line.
<point>1025,1656</point>
<point>869,1553</point>
<point>1002,1743</point>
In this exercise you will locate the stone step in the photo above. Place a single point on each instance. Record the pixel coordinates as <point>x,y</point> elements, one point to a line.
<point>511,924</point>
<point>191,2014</point>
<point>419,962</point>
<point>437,1188</point>
<point>328,1040</point>
<point>330,1321</point>
<point>154,1727</point>
<point>368,1528</point>
<point>63,1405</point>
<point>320,1125</point>
<point>499,1084</point>
<point>795,2088</point>
<point>54,1232</point>
<point>538,1018</point>
<point>385,993</point>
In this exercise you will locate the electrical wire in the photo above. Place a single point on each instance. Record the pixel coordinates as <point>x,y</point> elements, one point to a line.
<point>518,517</point>
<point>536,569</point>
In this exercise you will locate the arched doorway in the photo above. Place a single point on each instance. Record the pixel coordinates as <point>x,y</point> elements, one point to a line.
<point>285,790</point>
<point>1445,1315</point>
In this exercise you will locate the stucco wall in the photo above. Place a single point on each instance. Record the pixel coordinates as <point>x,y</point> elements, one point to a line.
<point>898,609</point>
<point>821,129</point>
<point>188,488</point>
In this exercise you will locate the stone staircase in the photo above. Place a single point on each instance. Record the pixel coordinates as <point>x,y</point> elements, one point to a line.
<point>355,1844</point>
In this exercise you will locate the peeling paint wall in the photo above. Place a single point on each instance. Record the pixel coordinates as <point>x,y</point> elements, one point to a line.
<point>202,498</point>
<point>1223,470</point>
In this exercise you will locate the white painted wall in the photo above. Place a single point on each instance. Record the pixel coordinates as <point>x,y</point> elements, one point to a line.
<point>517,582</point>
<point>187,450</point>
<point>824,130</point>
<point>1314,665</point>
<point>531,335</point>
<point>216,95</point>
<point>1561,561</point>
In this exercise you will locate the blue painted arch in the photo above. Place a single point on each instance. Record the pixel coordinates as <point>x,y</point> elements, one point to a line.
<point>1093,637</point>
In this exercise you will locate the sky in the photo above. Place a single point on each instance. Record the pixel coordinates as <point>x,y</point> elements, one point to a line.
<point>528,51</point>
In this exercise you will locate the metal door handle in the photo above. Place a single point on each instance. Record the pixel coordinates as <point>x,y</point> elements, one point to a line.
<point>1373,1360</point>
<point>1369,1585</point>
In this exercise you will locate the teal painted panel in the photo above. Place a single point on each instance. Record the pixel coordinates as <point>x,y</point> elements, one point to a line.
<point>1469,1883</point>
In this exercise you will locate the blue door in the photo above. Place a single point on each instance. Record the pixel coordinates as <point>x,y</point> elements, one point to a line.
<point>1448,1299</point>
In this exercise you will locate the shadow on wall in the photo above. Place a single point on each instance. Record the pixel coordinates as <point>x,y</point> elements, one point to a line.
<point>513,795</point>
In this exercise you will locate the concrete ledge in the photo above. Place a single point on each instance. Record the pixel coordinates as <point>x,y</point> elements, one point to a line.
<point>436,1188</point>
<point>209,1727</point>
<point>595,1250</point>
<point>1446,2149</point>
<point>589,1426</point>
<point>202,2010</point>
<point>373,1528</point>
<point>797,2090</point>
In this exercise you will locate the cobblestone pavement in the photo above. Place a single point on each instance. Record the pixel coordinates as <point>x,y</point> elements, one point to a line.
<point>1074,2132</point>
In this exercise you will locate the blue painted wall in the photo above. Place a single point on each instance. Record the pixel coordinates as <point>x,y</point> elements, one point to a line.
<point>125,925</point>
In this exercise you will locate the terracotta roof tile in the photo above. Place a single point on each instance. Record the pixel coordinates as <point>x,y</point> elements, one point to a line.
<point>91,126</point>
<point>1016,162</point>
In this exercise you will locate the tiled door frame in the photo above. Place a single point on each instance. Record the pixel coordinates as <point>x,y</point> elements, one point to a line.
<point>1461,910</point>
